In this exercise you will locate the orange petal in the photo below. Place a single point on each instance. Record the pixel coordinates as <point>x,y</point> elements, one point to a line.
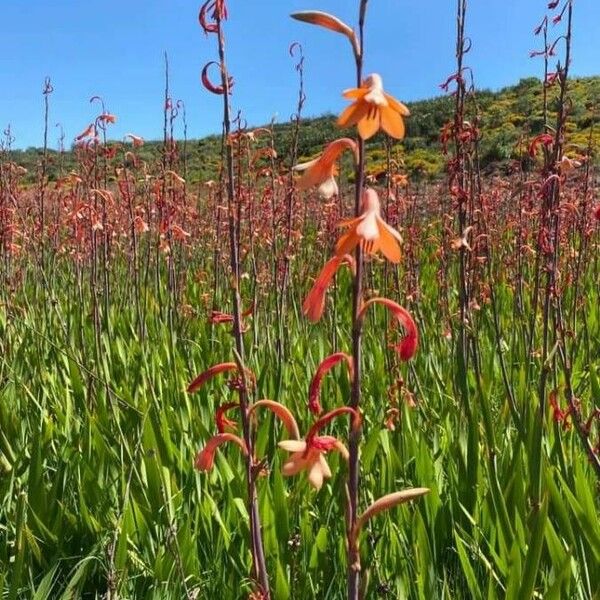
<point>388,243</point>
<point>315,175</point>
<point>353,113</point>
<point>397,106</point>
<point>347,243</point>
<point>355,93</point>
<point>368,126</point>
<point>316,475</point>
<point>391,122</point>
<point>350,222</point>
<point>294,465</point>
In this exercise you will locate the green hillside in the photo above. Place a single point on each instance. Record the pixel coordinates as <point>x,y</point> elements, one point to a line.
<point>506,117</point>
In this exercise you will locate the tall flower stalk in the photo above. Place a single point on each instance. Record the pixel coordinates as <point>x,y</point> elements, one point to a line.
<point>371,110</point>
<point>213,23</point>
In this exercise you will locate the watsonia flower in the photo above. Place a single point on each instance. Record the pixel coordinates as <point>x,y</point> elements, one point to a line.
<point>309,454</point>
<point>370,230</point>
<point>322,170</point>
<point>373,110</point>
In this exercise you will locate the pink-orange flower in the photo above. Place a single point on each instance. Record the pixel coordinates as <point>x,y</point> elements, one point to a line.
<point>322,170</point>
<point>309,454</point>
<point>370,230</point>
<point>373,110</point>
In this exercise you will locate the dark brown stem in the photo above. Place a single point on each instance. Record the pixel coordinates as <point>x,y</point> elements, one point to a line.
<point>355,433</point>
<point>258,556</point>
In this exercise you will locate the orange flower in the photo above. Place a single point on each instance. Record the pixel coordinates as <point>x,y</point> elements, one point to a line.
<point>370,230</point>
<point>205,459</point>
<point>314,304</point>
<point>309,456</point>
<point>373,110</point>
<point>314,390</point>
<point>322,170</point>
<point>407,347</point>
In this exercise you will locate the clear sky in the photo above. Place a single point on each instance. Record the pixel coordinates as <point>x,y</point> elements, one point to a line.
<point>115,49</point>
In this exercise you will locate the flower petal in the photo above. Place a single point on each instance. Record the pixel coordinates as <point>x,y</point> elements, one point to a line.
<point>391,122</point>
<point>315,475</point>
<point>294,465</point>
<point>328,188</point>
<point>387,242</point>
<point>293,445</point>
<point>324,467</point>
<point>397,106</point>
<point>367,229</point>
<point>368,126</point>
<point>347,243</point>
<point>353,114</point>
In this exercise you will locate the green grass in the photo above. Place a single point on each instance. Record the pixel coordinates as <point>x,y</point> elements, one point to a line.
<point>97,442</point>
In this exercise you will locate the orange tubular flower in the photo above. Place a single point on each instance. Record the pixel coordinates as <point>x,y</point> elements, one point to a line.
<point>209,374</point>
<point>205,459</point>
<point>407,347</point>
<point>373,110</point>
<point>370,230</point>
<point>314,303</point>
<point>314,390</point>
<point>321,171</point>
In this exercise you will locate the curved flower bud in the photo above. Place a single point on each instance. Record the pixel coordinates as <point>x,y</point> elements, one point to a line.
<point>314,389</point>
<point>205,459</point>
<point>323,19</point>
<point>407,346</point>
<point>384,503</point>
<point>283,413</point>
<point>209,374</point>
<point>206,82</point>
<point>314,303</point>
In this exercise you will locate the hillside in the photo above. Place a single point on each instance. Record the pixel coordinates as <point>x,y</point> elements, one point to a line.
<point>506,116</point>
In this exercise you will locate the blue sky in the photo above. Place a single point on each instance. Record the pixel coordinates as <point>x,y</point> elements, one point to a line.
<point>115,50</point>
